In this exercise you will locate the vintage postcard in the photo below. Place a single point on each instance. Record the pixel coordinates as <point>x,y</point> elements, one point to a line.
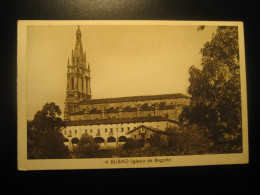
<point>130,94</point>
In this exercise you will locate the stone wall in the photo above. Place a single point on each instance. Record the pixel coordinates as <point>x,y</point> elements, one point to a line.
<point>169,108</point>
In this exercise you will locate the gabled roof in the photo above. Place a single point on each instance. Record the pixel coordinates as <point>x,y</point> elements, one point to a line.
<point>153,129</point>
<point>118,121</point>
<point>132,98</point>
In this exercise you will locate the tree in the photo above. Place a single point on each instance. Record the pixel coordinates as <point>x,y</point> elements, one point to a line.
<point>182,141</point>
<point>132,144</point>
<point>159,141</point>
<point>215,91</point>
<point>87,147</point>
<point>44,139</point>
<point>187,140</point>
<point>48,118</point>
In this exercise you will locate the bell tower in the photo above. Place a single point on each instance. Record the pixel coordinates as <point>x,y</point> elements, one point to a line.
<point>78,77</point>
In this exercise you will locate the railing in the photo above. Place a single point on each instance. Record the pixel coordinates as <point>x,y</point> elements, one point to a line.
<point>110,133</point>
<point>98,134</point>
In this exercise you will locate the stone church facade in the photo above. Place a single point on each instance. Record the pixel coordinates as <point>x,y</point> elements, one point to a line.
<point>110,120</point>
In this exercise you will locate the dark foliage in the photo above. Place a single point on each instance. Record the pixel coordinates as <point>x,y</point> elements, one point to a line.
<point>87,147</point>
<point>215,91</point>
<point>44,139</point>
<point>183,141</point>
<point>133,144</point>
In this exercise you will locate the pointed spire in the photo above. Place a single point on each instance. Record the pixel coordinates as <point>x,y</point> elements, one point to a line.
<point>78,35</point>
<point>68,61</point>
<point>78,31</point>
<point>78,52</point>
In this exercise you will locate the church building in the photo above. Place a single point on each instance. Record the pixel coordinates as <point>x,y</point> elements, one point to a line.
<point>110,121</point>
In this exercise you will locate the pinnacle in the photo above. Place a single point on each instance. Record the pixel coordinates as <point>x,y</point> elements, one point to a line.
<point>78,31</point>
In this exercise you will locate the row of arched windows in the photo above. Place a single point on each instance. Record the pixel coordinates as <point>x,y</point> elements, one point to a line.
<point>100,139</point>
<point>107,130</point>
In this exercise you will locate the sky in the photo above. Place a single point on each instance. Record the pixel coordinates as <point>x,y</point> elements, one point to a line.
<point>125,60</point>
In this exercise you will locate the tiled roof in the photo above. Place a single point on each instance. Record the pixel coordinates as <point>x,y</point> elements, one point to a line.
<point>133,98</point>
<point>118,120</point>
<point>149,128</point>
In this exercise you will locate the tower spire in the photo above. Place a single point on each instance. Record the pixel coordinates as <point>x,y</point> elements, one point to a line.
<point>78,47</point>
<point>78,78</point>
<point>78,35</point>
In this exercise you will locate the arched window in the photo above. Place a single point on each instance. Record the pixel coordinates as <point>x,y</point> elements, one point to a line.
<point>99,140</point>
<point>75,140</point>
<point>72,83</point>
<point>122,139</point>
<point>111,139</point>
<point>82,84</point>
<point>76,81</point>
<point>86,82</point>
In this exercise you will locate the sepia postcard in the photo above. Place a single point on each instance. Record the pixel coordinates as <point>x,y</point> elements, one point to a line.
<point>130,94</point>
